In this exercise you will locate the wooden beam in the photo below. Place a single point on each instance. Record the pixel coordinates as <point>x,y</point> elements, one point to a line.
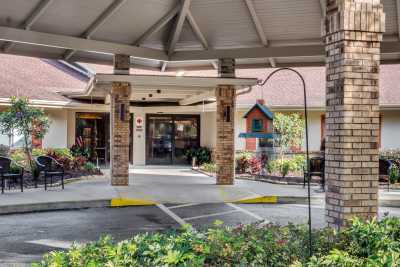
<point>76,43</point>
<point>257,22</point>
<point>164,66</point>
<point>322,4</point>
<point>30,20</point>
<point>197,98</point>
<point>106,14</point>
<point>272,62</point>
<point>214,64</point>
<point>196,30</point>
<point>398,16</point>
<point>176,33</point>
<point>157,26</point>
<point>258,52</point>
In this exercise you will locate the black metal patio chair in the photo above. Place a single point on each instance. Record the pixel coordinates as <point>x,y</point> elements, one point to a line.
<point>7,172</point>
<point>50,168</point>
<point>317,168</point>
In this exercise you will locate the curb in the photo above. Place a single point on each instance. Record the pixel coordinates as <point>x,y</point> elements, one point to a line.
<point>274,200</point>
<point>126,202</point>
<point>53,206</point>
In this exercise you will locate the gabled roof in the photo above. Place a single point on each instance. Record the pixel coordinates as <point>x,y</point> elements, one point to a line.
<point>263,109</point>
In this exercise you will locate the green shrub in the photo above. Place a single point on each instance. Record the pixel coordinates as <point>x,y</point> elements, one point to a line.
<point>209,167</point>
<point>363,244</point>
<point>4,150</point>
<point>89,166</point>
<point>19,156</point>
<point>394,173</point>
<point>202,155</point>
<point>243,161</point>
<point>249,245</point>
<point>284,166</point>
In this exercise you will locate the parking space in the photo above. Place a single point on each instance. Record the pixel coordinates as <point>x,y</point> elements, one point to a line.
<point>26,237</point>
<point>203,215</point>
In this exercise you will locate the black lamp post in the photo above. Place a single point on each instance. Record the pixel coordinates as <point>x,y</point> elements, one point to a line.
<point>261,83</point>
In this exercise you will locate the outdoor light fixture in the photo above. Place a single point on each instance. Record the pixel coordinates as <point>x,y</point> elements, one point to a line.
<point>261,83</point>
<point>122,112</point>
<point>227,113</point>
<point>180,73</point>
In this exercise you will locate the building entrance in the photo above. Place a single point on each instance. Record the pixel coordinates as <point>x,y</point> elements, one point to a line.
<point>168,137</point>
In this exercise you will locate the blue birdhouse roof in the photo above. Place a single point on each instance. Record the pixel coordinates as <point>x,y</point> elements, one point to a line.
<point>269,114</point>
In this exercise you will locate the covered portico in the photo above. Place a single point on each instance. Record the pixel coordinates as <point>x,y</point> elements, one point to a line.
<point>226,35</point>
<point>122,88</point>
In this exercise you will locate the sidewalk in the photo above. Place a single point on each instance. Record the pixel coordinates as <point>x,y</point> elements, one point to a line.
<point>166,185</point>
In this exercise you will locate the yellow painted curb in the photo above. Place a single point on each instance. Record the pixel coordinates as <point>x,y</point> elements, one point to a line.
<point>256,200</point>
<point>125,202</point>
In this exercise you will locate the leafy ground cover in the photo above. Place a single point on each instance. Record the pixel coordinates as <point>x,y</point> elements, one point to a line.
<point>370,243</point>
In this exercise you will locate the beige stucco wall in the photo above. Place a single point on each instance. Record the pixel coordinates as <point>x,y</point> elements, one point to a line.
<point>390,135</point>
<point>62,130</point>
<point>56,136</point>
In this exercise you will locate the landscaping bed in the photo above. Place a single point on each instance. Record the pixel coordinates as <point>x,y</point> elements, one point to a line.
<point>362,244</point>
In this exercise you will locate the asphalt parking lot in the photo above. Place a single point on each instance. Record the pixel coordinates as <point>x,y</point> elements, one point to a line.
<point>26,237</point>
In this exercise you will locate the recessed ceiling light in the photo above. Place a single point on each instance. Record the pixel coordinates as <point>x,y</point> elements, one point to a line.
<point>143,98</point>
<point>180,73</point>
<point>158,91</point>
<point>150,95</point>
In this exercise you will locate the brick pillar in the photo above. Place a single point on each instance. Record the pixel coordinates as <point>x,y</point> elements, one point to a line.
<point>353,33</point>
<point>225,148</point>
<point>119,118</point>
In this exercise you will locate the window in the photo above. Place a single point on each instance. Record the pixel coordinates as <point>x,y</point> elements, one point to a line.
<point>257,125</point>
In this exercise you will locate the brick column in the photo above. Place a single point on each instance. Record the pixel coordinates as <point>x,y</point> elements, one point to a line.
<point>353,33</point>
<point>119,118</point>
<point>225,148</point>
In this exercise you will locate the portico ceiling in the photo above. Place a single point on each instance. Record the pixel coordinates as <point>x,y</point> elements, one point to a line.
<point>175,34</point>
<point>154,88</point>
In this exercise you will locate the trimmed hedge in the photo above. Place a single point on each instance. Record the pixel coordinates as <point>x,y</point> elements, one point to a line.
<point>369,243</point>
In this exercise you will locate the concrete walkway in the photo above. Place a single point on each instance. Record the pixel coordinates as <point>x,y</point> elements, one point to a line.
<point>159,185</point>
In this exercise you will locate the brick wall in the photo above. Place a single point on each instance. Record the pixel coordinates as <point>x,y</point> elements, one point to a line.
<point>225,147</point>
<point>119,119</point>
<point>353,32</point>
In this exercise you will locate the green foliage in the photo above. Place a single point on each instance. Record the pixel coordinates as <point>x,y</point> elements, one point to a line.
<point>284,166</point>
<point>290,131</point>
<point>78,151</point>
<point>363,244</point>
<point>89,166</point>
<point>24,120</point>
<point>249,245</point>
<point>202,155</point>
<point>4,150</point>
<point>243,161</point>
<point>394,173</point>
<point>209,167</point>
<point>366,244</point>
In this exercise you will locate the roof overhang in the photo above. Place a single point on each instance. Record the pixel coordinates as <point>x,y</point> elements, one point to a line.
<point>173,34</point>
<point>153,88</point>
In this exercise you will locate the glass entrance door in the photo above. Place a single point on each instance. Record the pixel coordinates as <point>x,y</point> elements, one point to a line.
<point>159,140</point>
<point>186,136</point>
<point>170,136</point>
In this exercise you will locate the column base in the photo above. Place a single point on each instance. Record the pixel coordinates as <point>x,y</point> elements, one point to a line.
<point>119,181</point>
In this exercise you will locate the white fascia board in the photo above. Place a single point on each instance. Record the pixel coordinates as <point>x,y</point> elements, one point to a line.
<point>77,43</point>
<point>173,81</point>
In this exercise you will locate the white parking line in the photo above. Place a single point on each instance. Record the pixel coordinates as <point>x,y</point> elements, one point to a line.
<point>247,212</point>
<point>210,215</point>
<point>171,214</point>
<point>183,205</point>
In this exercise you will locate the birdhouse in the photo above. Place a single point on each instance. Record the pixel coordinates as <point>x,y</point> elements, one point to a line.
<point>259,127</point>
